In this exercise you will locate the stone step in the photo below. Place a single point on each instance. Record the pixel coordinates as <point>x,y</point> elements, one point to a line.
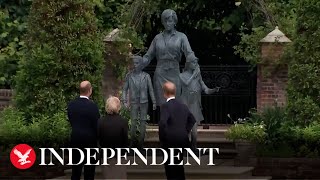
<point>250,178</point>
<point>152,132</point>
<point>214,172</point>
<point>208,142</point>
<point>247,178</point>
<point>214,137</point>
<point>222,170</point>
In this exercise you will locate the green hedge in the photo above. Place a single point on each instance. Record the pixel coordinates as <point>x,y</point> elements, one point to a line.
<point>304,71</point>
<point>63,48</point>
<point>43,131</point>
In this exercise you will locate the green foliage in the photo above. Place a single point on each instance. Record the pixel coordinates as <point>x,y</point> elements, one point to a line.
<point>12,27</point>
<point>63,48</point>
<point>128,39</point>
<point>108,13</point>
<point>49,131</point>
<point>210,26</point>
<point>307,140</point>
<point>304,85</point>
<point>248,48</point>
<point>284,137</point>
<point>125,113</point>
<point>247,132</point>
<point>265,16</point>
<point>273,118</point>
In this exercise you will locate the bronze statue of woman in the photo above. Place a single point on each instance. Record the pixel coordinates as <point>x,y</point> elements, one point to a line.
<point>167,47</point>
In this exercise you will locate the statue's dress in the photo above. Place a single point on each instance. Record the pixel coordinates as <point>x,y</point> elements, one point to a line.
<point>191,95</point>
<point>168,52</point>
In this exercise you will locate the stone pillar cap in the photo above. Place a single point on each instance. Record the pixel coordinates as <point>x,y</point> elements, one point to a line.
<point>275,36</point>
<point>115,35</point>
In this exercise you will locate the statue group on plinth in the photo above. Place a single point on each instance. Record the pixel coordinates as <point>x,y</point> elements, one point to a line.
<point>167,48</point>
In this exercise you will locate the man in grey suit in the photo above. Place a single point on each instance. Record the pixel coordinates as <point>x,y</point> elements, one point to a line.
<point>139,85</point>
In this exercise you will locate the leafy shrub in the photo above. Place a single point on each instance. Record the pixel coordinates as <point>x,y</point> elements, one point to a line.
<point>303,110</point>
<point>247,132</point>
<point>63,48</point>
<point>12,27</point>
<point>285,137</point>
<point>307,140</point>
<point>304,84</point>
<point>274,119</point>
<point>42,131</point>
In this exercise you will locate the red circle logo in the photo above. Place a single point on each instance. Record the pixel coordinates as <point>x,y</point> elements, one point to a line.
<point>22,156</point>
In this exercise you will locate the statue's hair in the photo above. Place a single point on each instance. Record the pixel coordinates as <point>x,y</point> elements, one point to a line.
<point>167,13</point>
<point>189,60</point>
<point>113,105</point>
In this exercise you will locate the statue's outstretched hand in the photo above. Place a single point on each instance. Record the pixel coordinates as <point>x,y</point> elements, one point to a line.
<point>211,91</point>
<point>154,107</point>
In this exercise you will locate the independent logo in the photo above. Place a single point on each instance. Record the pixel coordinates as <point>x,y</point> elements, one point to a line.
<point>22,156</point>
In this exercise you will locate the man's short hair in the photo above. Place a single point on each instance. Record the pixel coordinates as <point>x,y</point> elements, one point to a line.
<point>113,105</point>
<point>84,89</point>
<point>169,88</point>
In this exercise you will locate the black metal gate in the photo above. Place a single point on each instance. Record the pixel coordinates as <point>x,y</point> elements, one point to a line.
<point>236,97</point>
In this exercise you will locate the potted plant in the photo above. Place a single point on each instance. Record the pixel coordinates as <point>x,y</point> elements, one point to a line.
<point>246,136</point>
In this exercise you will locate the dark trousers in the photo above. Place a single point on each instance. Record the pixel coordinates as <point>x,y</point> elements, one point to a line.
<point>175,172</point>
<point>88,170</point>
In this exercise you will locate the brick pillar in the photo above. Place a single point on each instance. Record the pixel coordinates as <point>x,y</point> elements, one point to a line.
<point>272,75</point>
<point>111,84</point>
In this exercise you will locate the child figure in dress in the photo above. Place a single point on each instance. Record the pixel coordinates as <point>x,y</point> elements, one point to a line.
<point>192,87</point>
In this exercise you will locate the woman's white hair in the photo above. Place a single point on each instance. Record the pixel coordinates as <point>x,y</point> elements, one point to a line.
<point>113,105</point>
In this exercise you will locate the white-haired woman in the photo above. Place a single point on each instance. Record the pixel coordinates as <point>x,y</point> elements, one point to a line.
<point>113,133</point>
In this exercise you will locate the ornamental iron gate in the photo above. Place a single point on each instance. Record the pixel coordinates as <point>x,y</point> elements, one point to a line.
<point>236,97</point>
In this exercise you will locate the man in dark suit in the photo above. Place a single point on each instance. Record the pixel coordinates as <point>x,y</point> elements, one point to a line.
<point>83,115</point>
<point>175,124</point>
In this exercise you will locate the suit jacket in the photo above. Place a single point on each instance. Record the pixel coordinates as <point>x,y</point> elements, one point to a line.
<point>83,115</point>
<point>113,131</point>
<point>138,90</point>
<point>175,124</point>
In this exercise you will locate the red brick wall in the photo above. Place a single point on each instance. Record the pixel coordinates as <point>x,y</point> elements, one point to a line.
<point>271,87</point>
<point>272,78</point>
<point>5,98</point>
